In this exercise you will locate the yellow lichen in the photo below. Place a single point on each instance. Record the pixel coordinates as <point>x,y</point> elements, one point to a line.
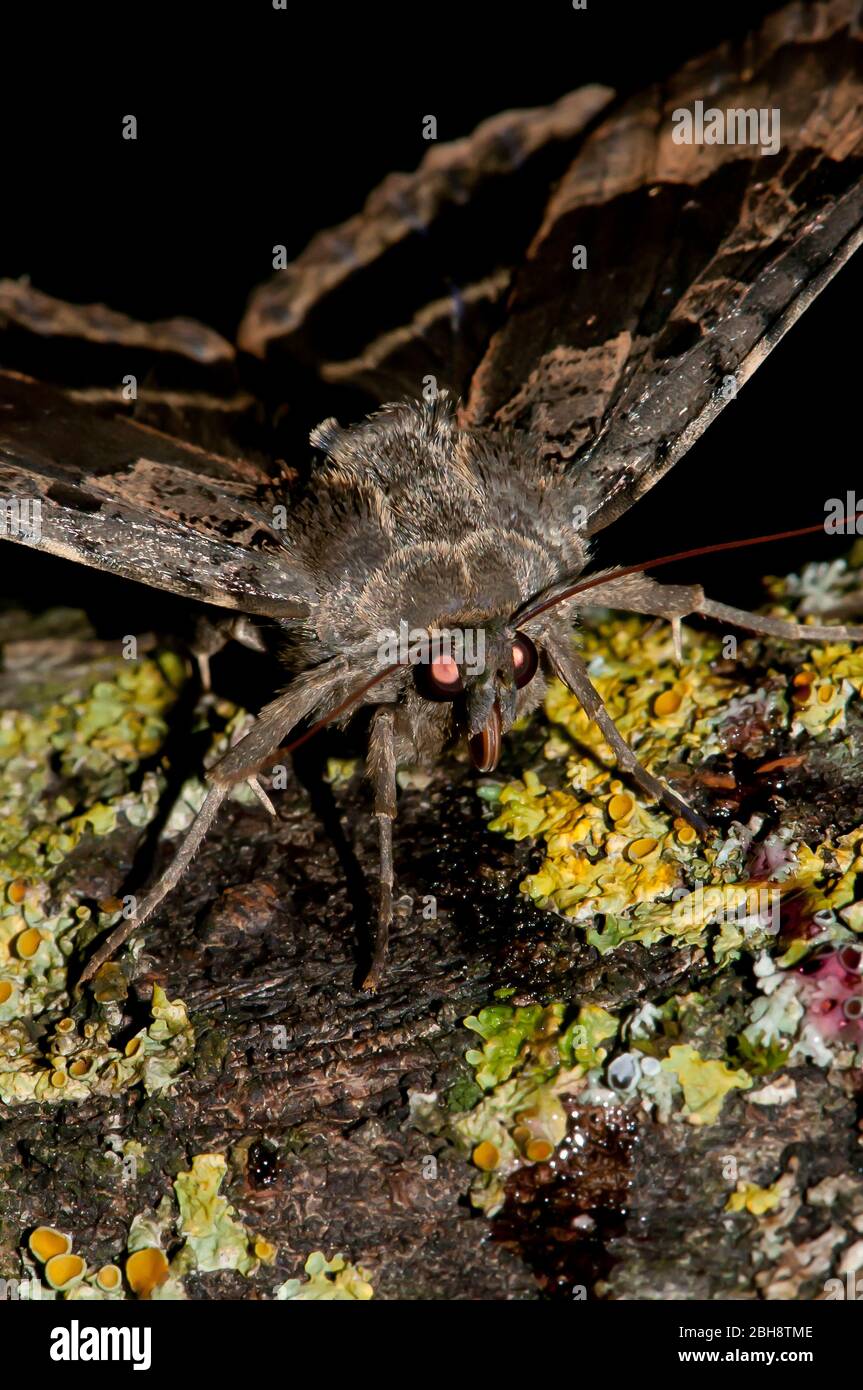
<point>45,1243</point>
<point>145,1270</point>
<point>756,1200</point>
<point>486,1156</point>
<point>538,1150</point>
<point>215,1239</point>
<point>705,1083</point>
<point>620,806</point>
<point>74,1062</point>
<point>28,943</point>
<point>109,1278</point>
<point>94,734</point>
<point>611,854</point>
<point>64,1271</point>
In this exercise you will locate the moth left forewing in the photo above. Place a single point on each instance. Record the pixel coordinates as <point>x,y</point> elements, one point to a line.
<point>116,496</point>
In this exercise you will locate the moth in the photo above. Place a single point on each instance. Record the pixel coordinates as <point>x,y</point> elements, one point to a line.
<point>658,277</point>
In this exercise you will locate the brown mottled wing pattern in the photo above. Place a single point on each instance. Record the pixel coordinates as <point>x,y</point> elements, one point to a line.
<point>699,258</point>
<point>366,303</point>
<point>121,497</point>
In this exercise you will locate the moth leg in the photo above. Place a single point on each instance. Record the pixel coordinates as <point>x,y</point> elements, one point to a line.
<point>382,771</point>
<point>170,878</point>
<point>253,781</point>
<point>262,796</point>
<point>240,764</point>
<point>677,639</point>
<point>570,668</point>
<point>676,635</point>
<point>212,634</point>
<point>764,626</point>
<point>638,593</point>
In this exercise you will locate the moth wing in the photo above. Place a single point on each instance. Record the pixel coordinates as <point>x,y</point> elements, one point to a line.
<point>666,407</point>
<point>699,256</point>
<point>410,223</point>
<point>119,496</point>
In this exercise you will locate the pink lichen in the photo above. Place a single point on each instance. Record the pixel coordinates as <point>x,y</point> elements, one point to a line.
<point>832,992</point>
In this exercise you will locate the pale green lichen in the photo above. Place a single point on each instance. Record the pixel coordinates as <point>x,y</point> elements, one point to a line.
<point>509,1035</point>
<point>214,1238</point>
<point>66,767</point>
<point>528,1063</point>
<point>328,1280</point>
<point>70,760</point>
<point>516,1038</point>
<point>536,1066</point>
<point>705,1082</point>
<point>74,1061</point>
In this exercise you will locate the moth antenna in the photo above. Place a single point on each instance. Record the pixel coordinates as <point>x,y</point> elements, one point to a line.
<point>346,704</point>
<point>235,770</point>
<point>583,584</point>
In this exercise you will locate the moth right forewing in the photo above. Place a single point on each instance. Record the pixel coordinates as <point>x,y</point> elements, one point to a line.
<point>646,435</point>
<point>664,272</point>
<point>116,496</point>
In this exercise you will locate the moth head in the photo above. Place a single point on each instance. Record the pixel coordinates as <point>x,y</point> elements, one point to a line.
<point>482,673</point>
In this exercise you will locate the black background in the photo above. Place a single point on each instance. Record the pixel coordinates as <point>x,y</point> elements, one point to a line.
<point>259,126</point>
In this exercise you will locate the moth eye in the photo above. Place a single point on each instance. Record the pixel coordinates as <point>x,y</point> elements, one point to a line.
<point>524,659</point>
<point>440,679</point>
